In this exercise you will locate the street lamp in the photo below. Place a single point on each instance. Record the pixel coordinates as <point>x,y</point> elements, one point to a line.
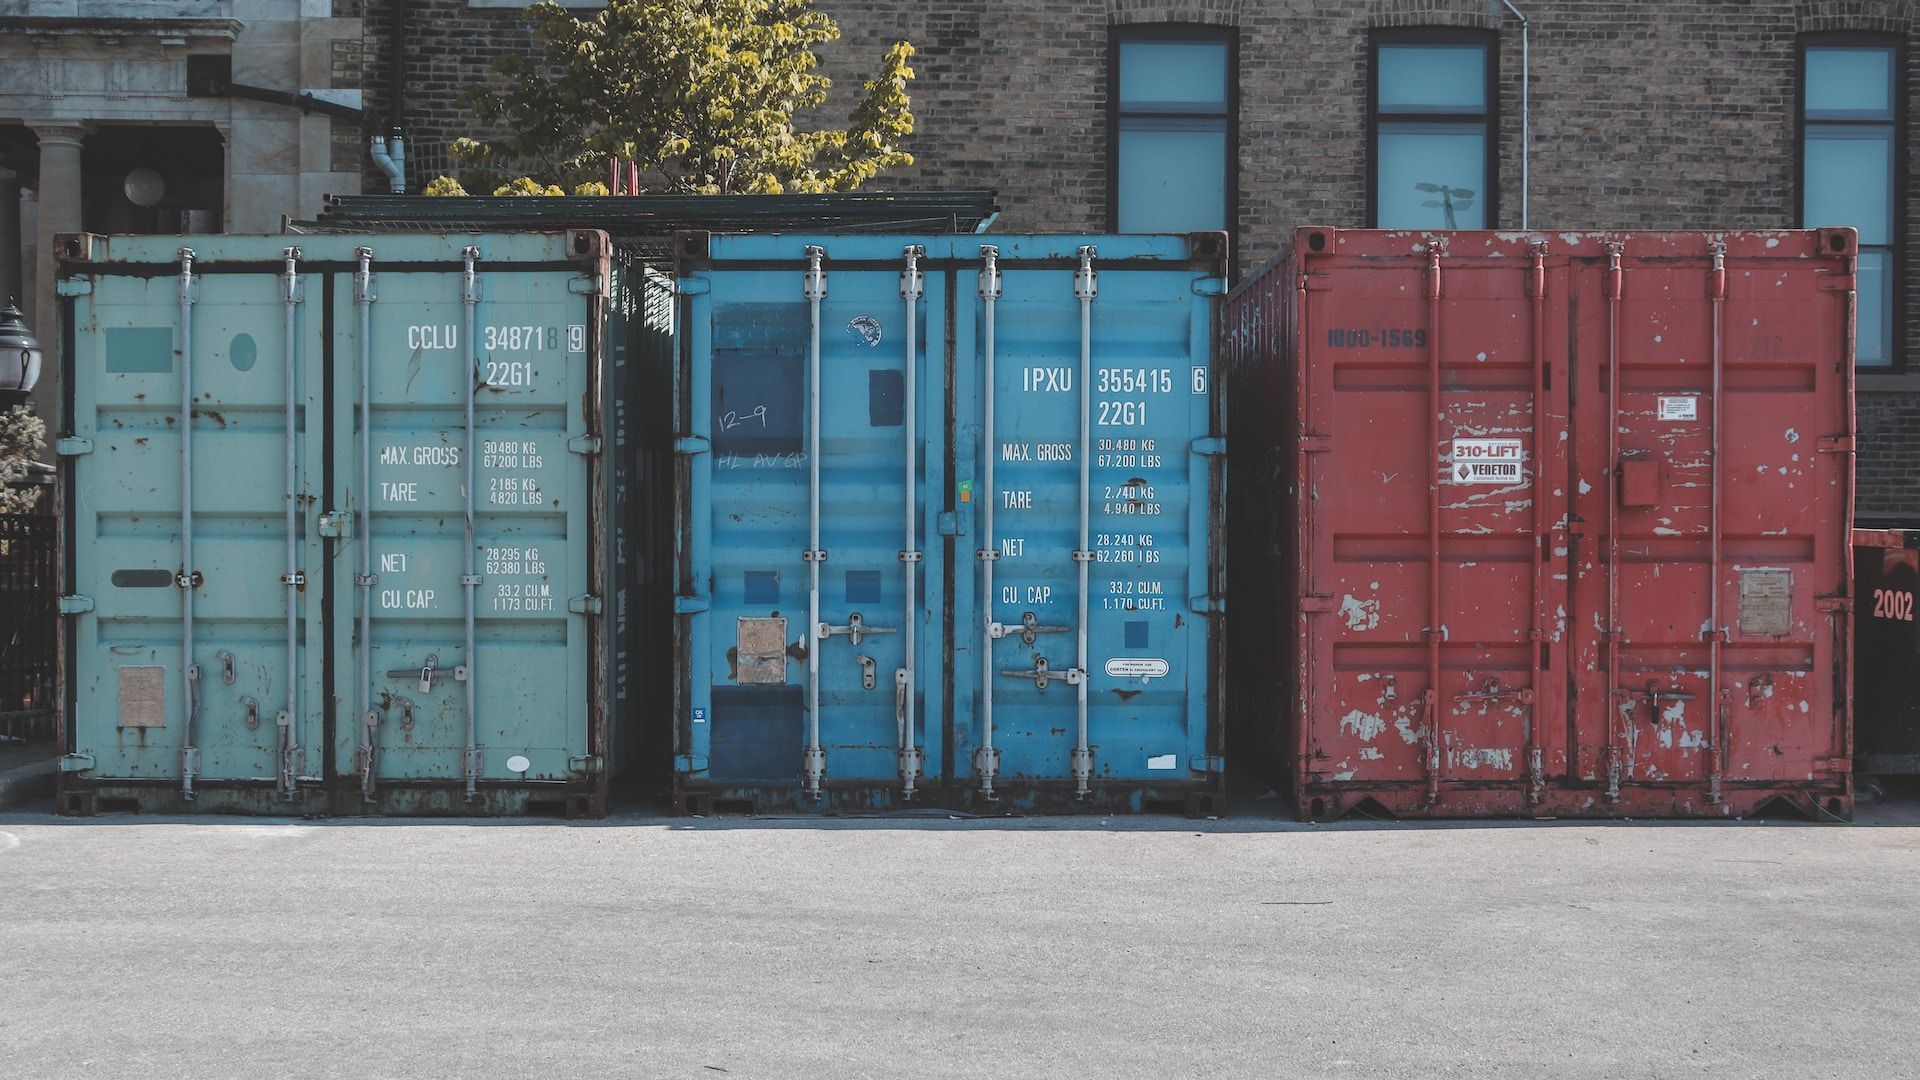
<point>19,358</point>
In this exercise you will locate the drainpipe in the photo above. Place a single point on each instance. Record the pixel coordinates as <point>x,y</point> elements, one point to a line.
<point>1526,119</point>
<point>390,154</point>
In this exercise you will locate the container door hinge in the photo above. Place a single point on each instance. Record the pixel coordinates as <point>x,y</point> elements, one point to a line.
<point>691,285</point>
<point>584,605</point>
<point>76,762</point>
<point>1207,764</point>
<point>1316,282</point>
<point>1836,444</point>
<point>1836,764</point>
<point>691,444</point>
<point>1836,283</point>
<point>74,287</point>
<point>1833,604</point>
<point>691,764</point>
<point>337,524</point>
<point>589,765</point>
<point>73,446</point>
<point>690,605</point>
<point>587,285</point>
<point>1211,446</point>
<point>1319,605</point>
<point>1210,286</point>
<point>74,605</point>
<point>584,444</point>
<point>1316,444</point>
<point>1207,605</point>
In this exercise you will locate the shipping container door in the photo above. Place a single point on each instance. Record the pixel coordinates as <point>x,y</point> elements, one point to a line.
<point>494,391</point>
<point>815,613</point>
<point>135,678</point>
<point>1435,585</point>
<point>1706,434</point>
<point>1087,620</point>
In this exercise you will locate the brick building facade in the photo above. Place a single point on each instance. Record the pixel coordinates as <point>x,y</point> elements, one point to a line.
<point>1644,115</point>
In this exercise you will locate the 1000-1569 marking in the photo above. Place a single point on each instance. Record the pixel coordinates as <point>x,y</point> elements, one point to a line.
<point>1394,338</point>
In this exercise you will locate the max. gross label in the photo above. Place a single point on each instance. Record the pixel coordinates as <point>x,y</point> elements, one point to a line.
<point>1487,461</point>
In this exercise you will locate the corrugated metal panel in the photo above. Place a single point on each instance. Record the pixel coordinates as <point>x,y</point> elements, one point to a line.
<point>334,540</point>
<point>1571,519</point>
<point>841,644</point>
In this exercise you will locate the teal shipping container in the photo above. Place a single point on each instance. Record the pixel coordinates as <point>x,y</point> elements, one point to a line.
<point>338,524</point>
<point>948,523</point>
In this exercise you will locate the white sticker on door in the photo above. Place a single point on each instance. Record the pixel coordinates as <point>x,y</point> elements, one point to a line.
<point>1135,667</point>
<point>1680,408</point>
<point>1163,761</point>
<point>1487,461</point>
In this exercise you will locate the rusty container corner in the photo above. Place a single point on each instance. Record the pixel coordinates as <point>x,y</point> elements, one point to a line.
<point>1886,656</point>
<point>336,511</point>
<point>1559,524</point>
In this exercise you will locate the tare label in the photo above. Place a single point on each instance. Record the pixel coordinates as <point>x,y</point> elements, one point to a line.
<point>1487,461</point>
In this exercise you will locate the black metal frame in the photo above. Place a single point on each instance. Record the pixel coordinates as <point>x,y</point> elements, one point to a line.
<point>1897,359</point>
<point>1226,35</point>
<point>1434,35</point>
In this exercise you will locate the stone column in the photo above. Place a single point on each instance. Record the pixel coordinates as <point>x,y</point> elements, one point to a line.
<point>10,237</point>
<point>59,212</point>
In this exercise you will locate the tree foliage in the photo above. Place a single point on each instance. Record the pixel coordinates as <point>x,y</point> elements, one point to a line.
<point>21,436</point>
<point>703,94</point>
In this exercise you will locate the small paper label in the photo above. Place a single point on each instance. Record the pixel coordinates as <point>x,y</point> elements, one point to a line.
<point>1487,461</point>
<point>1680,408</point>
<point>1163,761</point>
<point>1136,667</point>
<point>699,716</point>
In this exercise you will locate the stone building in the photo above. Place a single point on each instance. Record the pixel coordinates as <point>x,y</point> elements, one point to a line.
<point>1260,116</point>
<point>106,124</point>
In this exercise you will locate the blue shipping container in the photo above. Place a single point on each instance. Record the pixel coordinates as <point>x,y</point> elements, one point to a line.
<point>336,523</point>
<point>948,522</point>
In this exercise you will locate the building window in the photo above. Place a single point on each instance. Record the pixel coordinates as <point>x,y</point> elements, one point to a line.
<point>1434,162</point>
<point>1173,152</point>
<point>1852,143</point>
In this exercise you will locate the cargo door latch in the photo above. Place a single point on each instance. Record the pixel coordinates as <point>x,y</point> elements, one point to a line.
<point>1043,673</point>
<point>1029,627</point>
<point>429,673</point>
<point>1655,694</point>
<point>855,629</point>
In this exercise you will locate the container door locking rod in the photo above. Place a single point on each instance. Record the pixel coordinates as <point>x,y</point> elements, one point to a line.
<point>363,298</point>
<point>1086,286</point>
<point>912,284</point>
<point>1615,285</point>
<point>289,730</point>
<point>1436,629</point>
<point>814,757</point>
<point>1718,714</point>
<point>986,760</point>
<point>470,580</point>
<point>188,579</point>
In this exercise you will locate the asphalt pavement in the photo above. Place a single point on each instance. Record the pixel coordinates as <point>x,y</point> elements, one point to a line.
<point>929,947</point>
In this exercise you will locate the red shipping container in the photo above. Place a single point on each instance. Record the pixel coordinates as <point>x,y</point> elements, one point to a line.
<point>1546,524</point>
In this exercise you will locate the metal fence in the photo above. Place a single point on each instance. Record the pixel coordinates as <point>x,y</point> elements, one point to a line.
<point>28,621</point>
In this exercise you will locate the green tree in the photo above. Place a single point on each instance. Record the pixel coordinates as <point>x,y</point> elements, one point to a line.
<point>703,94</point>
<point>21,436</point>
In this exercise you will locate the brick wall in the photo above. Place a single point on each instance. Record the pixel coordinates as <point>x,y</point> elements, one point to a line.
<point>1645,116</point>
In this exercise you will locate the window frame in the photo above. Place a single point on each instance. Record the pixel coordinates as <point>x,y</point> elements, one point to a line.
<point>1178,33</point>
<point>1434,35</point>
<point>1896,44</point>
